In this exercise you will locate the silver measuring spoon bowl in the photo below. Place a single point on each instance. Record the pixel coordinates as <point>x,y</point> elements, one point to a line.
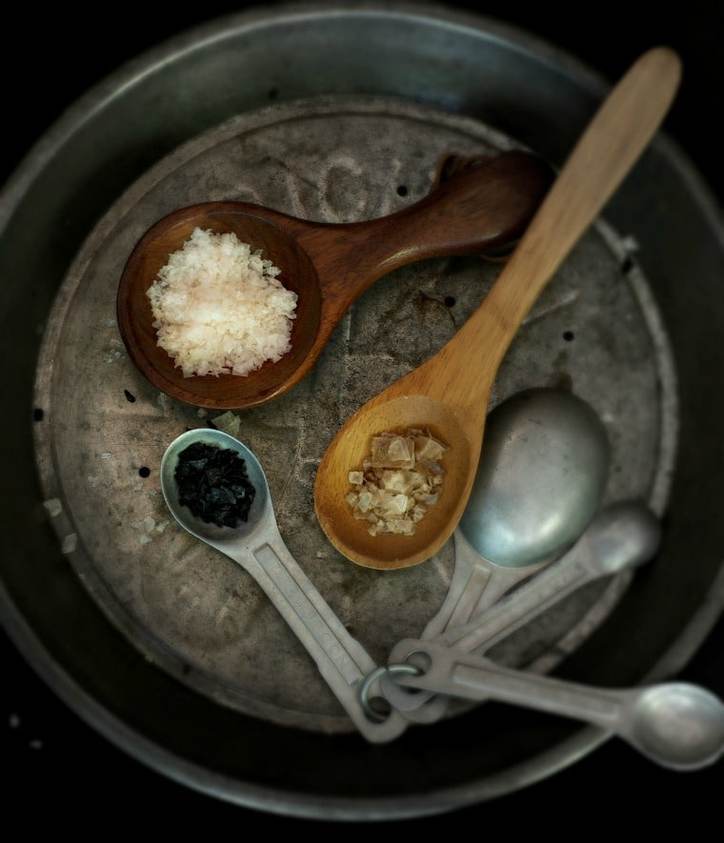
<point>679,725</point>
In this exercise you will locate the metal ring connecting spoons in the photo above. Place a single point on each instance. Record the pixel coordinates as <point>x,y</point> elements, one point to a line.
<point>675,724</point>
<point>258,547</point>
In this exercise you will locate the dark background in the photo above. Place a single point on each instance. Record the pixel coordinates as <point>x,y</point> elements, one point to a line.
<point>55,767</point>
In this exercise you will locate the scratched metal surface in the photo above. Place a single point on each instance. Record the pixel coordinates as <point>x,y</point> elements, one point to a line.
<point>191,610</point>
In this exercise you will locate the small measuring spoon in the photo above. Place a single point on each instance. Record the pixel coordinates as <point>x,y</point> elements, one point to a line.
<point>675,724</point>
<point>540,481</point>
<point>259,549</point>
<point>622,536</point>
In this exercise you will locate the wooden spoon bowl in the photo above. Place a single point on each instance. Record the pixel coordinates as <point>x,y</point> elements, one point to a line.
<point>398,414</point>
<point>481,208</point>
<point>136,320</point>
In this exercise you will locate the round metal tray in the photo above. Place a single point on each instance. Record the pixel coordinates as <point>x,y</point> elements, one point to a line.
<point>596,330</point>
<point>138,693</point>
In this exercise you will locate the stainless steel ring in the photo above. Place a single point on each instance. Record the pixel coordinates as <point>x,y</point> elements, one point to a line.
<point>371,678</point>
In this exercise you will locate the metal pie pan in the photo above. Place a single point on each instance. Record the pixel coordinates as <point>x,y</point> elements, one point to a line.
<point>330,774</point>
<point>186,608</point>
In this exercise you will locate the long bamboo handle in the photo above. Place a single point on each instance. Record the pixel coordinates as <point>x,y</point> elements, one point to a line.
<point>608,149</point>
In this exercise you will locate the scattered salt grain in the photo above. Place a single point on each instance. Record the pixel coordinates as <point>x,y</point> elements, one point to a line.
<point>53,506</point>
<point>228,422</point>
<point>164,402</point>
<point>630,244</point>
<point>70,543</point>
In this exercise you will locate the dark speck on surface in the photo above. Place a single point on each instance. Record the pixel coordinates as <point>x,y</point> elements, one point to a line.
<point>563,381</point>
<point>144,471</point>
<point>130,397</point>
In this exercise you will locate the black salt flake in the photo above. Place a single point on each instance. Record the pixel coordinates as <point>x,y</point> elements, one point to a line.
<point>214,485</point>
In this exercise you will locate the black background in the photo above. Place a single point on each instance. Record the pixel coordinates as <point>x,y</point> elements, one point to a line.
<point>56,769</point>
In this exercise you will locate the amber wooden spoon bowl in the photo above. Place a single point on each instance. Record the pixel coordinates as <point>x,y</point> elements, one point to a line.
<point>449,393</point>
<point>481,208</point>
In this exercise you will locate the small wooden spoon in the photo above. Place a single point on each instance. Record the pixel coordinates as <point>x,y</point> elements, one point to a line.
<point>481,208</point>
<point>449,393</point>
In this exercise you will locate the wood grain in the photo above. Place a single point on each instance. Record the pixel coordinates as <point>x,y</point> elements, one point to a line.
<point>450,392</point>
<point>479,209</point>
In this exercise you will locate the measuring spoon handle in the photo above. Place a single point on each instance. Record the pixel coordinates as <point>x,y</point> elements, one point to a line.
<point>675,724</point>
<point>622,536</point>
<point>341,659</point>
<point>457,673</point>
<point>517,609</point>
<point>500,621</point>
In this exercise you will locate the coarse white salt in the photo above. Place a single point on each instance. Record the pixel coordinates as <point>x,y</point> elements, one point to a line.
<point>219,308</point>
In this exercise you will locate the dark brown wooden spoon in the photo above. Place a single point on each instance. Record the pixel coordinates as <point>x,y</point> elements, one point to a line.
<point>481,208</point>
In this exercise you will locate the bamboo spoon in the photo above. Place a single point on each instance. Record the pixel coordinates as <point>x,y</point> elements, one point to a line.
<point>449,393</point>
<point>481,208</point>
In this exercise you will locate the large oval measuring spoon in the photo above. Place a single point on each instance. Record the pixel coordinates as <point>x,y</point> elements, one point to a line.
<point>540,481</point>
<point>259,548</point>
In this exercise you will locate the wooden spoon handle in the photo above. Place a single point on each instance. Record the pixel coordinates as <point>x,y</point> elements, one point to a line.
<point>603,156</point>
<point>606,152</point>
<point>477,209</point>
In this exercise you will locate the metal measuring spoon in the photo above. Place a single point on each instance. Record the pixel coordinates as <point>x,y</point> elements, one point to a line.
<point>675,724</point>
<point>621,537</point>
<point>540,480</point>
<point>259,548</point>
